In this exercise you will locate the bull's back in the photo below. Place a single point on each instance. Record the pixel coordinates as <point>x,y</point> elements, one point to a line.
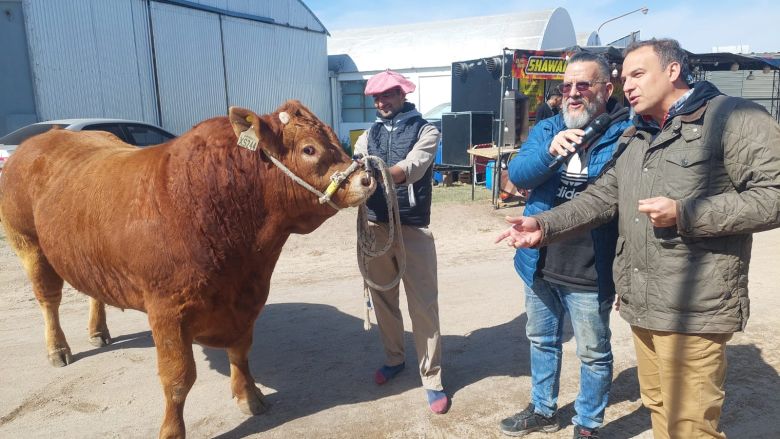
<point>77,196</point>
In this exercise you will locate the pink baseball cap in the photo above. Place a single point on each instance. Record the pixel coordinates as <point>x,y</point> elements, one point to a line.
<point>381,82</point>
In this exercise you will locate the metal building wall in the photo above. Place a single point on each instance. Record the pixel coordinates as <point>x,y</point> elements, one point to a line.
<point>729,83</point>
<point>90,58</point>
<point>101,58</point>
<point>760,89</point>
<point>292,12</point>
<point>190,73</point>
<point>267,65</point>
<point>17,97</point>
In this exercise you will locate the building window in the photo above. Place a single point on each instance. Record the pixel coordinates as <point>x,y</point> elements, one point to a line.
<point>355,106</point>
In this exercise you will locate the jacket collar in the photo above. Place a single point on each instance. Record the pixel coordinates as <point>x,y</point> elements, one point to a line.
<point>693,102</point>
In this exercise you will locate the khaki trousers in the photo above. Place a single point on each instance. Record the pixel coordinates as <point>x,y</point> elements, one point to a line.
<point>681,378</point>
<point>422,292</point>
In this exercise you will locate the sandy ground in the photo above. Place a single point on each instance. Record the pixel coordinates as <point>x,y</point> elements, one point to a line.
<point>315,362</point>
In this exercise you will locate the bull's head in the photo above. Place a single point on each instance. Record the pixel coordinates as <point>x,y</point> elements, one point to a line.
<point>294,136</point>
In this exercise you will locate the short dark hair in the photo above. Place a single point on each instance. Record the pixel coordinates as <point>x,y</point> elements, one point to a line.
<point>554,92</point>
<point>668,51</point>
<point>600,61</point>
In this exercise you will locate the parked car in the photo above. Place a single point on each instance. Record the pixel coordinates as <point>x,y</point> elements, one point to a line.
<point>135,133</point>
<point>434,114</point>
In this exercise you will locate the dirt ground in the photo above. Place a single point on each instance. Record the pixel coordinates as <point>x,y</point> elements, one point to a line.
<point>315,362</point>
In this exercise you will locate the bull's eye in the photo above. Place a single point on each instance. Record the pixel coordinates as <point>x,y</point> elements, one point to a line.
<point>308,150</point>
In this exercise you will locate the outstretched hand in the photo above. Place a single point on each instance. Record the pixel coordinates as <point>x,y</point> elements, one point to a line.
<point>524,232</point>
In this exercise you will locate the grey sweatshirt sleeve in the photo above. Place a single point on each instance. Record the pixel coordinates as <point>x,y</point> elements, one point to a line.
<point>361,144</point>
<point>422,154</point>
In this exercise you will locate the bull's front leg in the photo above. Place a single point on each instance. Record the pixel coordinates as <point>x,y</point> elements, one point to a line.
<point>250,398</point>
<point>176,367</point>
<point>98,330</point>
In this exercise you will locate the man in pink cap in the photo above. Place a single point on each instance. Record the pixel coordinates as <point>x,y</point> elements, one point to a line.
<point>407,143</point>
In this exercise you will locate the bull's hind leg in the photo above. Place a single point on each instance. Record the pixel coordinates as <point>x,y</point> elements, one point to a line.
<point>47,286</point>
<point>250,398</point>
<point>176,367</point>
<point>98,330</point>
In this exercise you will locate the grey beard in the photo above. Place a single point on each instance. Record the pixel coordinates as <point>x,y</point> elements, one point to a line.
<point>583,117</point>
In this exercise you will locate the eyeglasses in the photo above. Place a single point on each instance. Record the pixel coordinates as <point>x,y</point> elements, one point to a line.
<point>581,86</point>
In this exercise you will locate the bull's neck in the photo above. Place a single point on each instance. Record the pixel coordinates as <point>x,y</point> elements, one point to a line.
<point>216,189</point>
<point>236,200</point>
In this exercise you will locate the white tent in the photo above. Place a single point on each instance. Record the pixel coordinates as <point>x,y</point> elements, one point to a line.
<point>424,52</point>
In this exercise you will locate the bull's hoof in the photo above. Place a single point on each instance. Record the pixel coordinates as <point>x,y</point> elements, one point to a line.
<point>100,339</point>
<point>254,404</point>
<point>60,357</point>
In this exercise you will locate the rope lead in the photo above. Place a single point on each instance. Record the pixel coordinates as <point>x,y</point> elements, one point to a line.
<point>367,245</point>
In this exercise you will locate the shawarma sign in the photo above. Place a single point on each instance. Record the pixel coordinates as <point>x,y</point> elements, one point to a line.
<point>537,65</point>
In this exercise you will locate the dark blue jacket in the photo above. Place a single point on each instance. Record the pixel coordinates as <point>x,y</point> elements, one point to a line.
<point>392,140</point>
<point>529,170</point>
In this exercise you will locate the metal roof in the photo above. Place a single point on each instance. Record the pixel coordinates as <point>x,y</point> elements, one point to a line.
<point>723,61</point>
<point>81,122</point>
<point>439,43</point>
<point>288,13</point>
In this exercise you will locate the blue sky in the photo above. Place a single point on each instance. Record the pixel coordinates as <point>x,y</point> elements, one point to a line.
<point>698,25</point>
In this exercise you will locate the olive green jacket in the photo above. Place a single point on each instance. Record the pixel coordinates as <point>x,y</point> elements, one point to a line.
<point>692,277</point>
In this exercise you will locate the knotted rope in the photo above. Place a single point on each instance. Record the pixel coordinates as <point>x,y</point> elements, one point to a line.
<point>367,246</point>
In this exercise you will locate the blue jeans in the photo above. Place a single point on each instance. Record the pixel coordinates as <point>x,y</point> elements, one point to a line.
<point>545,305</point>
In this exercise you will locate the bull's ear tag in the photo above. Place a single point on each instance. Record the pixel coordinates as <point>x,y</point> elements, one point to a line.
<point>284,117</point>
<point>248,140</point>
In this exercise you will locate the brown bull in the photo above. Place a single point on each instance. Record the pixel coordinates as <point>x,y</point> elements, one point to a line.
<point>188,231</point>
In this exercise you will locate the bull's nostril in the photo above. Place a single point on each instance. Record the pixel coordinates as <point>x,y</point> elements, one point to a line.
<point>365,180</point>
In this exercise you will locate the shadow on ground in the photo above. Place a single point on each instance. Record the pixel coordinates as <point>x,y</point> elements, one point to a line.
<point>294,342</point>
<point>752,386</point>
<point>136,340</point>
<point>292,353</point>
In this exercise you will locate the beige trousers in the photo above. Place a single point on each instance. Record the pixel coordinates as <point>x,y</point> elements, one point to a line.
<point>422,292</point>
<point>681,379</point>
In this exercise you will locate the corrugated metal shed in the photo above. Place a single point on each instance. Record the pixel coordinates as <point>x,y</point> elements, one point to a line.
<point>292,12</point>
<point>189,65</point>
<point>90,58</point>
<point>294,67</point>
<point>439,43</point>
<point>173,62</point>
<point>761,88</point>
<point>729,83</point>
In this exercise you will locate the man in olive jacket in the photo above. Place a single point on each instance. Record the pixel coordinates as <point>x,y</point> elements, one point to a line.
<point>698,176</point>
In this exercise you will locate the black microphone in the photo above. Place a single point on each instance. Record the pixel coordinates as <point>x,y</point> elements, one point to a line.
<point>594,129</point>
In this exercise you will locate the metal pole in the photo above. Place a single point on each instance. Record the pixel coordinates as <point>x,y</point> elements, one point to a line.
<point>501,100</point>
<point>776,94</point>
<point>643,9</point>
<point>494,191</point>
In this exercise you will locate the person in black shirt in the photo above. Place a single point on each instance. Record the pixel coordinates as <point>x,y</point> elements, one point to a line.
<point>574,276</point>
<point>551,107</point>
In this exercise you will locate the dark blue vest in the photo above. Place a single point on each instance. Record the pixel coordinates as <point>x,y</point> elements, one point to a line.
<point>392,147</point>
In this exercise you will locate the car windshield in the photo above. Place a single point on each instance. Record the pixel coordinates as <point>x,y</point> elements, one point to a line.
<point>144,135</point>
<point>23,134</point>
<point>436,112</point>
